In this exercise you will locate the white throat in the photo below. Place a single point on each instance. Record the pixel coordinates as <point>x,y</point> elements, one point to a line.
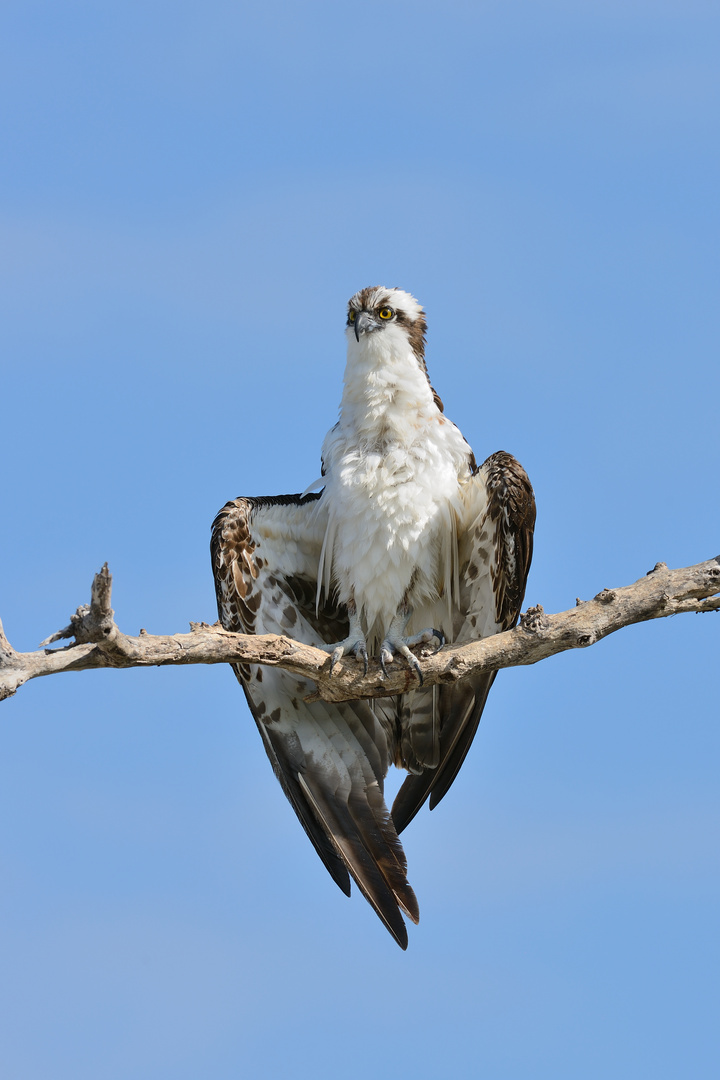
<point>385,392</point>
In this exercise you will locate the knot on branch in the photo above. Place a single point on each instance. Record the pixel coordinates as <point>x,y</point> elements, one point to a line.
<point>606,596</point>
<point>656,567</point>
<point>90,627</point>
<point>534,619</point>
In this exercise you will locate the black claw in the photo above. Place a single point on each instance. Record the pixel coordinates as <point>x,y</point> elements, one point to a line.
<point>382,663</point>
<point>361,654</point>
<point>415,663</point>
<point>441,638</point>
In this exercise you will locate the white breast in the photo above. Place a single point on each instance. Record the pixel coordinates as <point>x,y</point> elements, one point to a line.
<point>393,468</point>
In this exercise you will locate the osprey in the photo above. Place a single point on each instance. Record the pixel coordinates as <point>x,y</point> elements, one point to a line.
<point>407,543</point>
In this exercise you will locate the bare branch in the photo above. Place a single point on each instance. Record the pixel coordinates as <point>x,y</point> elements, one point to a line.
<point>100,644</point>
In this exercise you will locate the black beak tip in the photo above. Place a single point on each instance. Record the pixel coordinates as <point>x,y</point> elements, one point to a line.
<point>357,332</point>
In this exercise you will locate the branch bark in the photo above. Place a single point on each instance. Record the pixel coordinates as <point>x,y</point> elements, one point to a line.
<point>98,642</point>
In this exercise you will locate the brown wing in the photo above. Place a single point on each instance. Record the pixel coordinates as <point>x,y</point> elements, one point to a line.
<point>331,760</point>
<point>495,541</point>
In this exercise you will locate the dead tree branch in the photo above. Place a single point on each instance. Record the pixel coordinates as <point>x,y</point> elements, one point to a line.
<point>98,643</point>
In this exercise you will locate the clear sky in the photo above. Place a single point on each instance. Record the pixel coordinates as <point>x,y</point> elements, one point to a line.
<point>189,194</point>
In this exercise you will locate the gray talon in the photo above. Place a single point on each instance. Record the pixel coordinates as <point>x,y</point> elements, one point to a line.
<point>354,643</point>
<point>396,642</point>
<point>360,651</point>
<point>336,655</point>
<point>415,663</point>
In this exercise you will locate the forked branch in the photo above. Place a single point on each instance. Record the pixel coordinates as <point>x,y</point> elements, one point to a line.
<point>98,643</point>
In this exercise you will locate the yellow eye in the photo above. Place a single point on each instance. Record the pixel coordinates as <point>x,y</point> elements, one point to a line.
<point>351,316</point>
<point>386,313</point>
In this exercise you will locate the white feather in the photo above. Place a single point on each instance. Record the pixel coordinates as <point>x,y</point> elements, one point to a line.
<point>394,466</point>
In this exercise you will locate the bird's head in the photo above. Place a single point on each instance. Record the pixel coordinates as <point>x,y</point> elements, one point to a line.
<point>390,317</point>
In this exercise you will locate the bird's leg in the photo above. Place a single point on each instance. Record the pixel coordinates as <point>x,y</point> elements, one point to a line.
<point>396,642</point>
<point>354,643</point>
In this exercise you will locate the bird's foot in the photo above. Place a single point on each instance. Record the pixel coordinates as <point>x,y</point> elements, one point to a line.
<point>354,643</point>
<point>396,643</point>
<point>351,645</point>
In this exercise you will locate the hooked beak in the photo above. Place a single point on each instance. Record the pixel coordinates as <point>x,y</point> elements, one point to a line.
<point>362,323</point>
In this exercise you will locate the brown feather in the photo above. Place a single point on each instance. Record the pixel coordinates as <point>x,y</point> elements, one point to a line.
<point>511,520</point>
<point>331,760</point>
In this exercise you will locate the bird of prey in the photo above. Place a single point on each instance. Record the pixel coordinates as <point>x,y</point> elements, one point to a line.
<point>409,542</point>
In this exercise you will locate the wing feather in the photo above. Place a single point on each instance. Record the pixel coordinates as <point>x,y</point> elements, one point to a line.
<point>495,540</point>
<point>331,760</point>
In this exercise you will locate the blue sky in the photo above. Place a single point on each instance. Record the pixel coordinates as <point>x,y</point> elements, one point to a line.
<point>189,195</point>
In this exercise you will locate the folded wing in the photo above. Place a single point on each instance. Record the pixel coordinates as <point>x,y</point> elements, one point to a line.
<point>495,536</point>
<point>331,759</point>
